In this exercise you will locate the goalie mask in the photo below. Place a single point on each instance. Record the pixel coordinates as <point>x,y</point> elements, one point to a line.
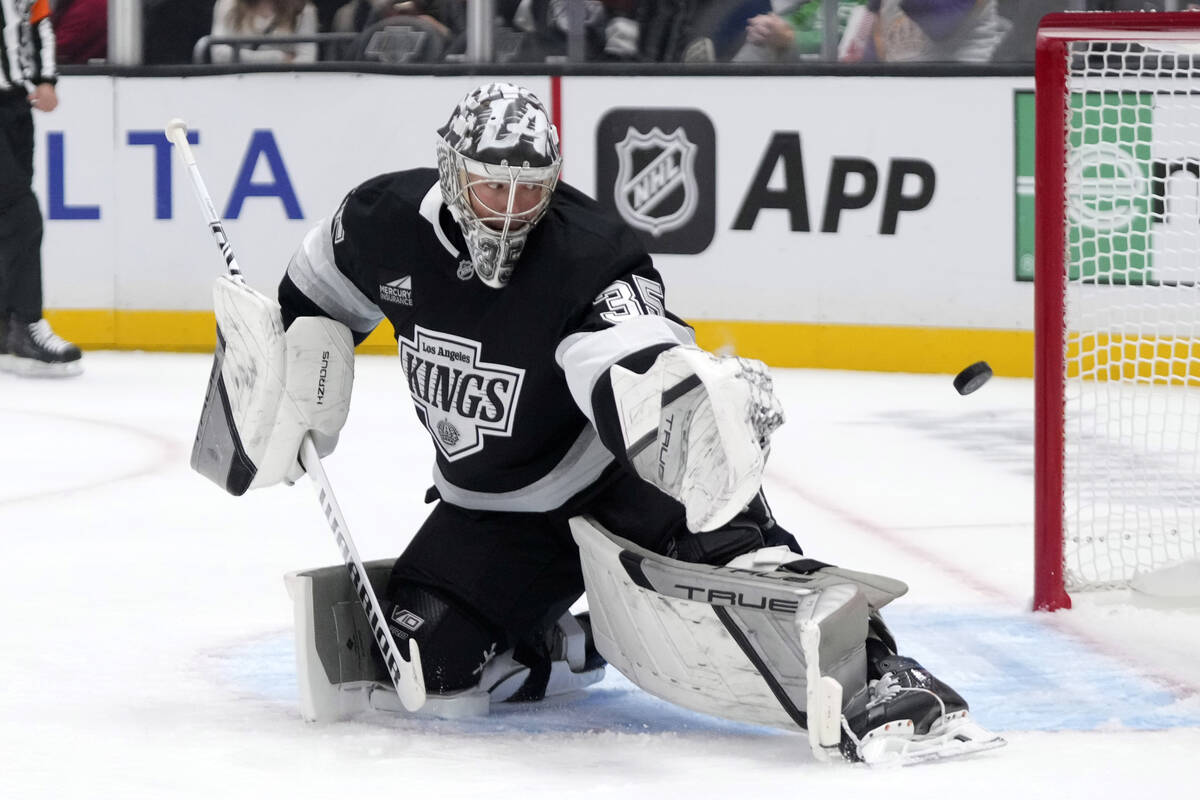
<point>498,164</point>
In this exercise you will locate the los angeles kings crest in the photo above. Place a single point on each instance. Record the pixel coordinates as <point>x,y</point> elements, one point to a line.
<point>461,398</point>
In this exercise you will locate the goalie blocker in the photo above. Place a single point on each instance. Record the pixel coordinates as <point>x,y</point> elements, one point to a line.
<point>267,389</point>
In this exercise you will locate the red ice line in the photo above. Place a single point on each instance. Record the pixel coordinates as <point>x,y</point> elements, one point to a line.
<point>168,452</point>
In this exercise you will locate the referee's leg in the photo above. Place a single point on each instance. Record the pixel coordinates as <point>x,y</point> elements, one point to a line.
<point>20,217</point>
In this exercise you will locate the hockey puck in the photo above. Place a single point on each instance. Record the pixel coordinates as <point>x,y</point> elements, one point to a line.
<point>972,377</point>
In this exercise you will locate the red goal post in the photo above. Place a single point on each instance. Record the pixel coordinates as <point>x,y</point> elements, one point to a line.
<point>1117,296</point>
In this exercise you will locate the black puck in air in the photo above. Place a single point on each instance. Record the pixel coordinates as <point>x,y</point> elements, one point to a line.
<point>972,377</point>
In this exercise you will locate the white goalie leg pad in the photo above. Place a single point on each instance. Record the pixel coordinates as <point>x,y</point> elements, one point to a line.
<point>336,673</point>
<point>823,694</point>
<point>878,589</point>
<point>723,641</point>
<point>698,427</point>
<point>319,379</point>
<point>323,696</point>
<point>338,677</point>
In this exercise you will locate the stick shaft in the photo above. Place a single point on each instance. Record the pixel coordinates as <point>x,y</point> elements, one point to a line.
<point>407,678</point>
<point>178,137</point>
<point>406,674</point>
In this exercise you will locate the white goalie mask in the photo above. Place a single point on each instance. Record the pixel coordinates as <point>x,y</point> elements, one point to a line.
<point>498,164</point>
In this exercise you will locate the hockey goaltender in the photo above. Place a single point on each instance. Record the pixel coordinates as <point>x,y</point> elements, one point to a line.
<point>584,443</point>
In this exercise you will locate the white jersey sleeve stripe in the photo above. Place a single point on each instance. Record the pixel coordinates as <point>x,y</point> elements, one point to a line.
<point>586,356</point>
<point>49,56</point>
<point>581,466</point>
<point>9,30</point>
<point>315,273</point>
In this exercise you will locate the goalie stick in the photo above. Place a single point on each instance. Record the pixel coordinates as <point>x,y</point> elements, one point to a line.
<point>405,672</point>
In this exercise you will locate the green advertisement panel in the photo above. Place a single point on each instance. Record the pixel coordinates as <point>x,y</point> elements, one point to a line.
<point>1109,200</point>
<point>1024,116</point>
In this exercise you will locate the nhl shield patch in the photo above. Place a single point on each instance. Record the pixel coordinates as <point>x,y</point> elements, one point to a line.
<point>656,167</point>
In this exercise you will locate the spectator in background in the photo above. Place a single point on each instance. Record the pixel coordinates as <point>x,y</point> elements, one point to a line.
<point>325,11</point>
<point>793,29</point>
<point>683,30</point>
<point>433,27</point>
<point>727,26</point>
<point>171,28</point>
<point>265,18</point>
<point>357,15</point>
<point>547,23</point>
<point>80,30</point>
<point>447,16</point>
<point>695,31</point>
<point>1020,43</point>
<point>926,30</point>
<point>620,31</point>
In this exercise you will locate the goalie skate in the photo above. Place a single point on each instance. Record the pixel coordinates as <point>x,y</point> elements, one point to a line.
<point>910,717</point>
<point>953,735</point>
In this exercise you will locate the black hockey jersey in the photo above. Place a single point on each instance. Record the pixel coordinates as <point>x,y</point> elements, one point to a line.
<point>502,379</point>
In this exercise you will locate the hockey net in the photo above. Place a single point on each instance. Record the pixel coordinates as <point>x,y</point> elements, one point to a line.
<point>1118,303</point>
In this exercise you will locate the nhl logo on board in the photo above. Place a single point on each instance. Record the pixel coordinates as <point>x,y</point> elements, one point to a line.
<point>656,168</point>
<point>657,193</point>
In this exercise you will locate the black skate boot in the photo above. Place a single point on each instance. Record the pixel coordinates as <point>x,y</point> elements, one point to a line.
<point>33,349</point>
<point>561,659</point>
<point>911,716</point>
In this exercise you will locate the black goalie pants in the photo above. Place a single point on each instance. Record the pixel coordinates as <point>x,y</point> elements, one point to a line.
<point>474,583</point>
<point>20,218</point>
<point>518,572</point>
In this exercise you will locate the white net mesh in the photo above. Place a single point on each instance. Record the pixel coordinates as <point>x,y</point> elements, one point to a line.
<point>1132,416</point>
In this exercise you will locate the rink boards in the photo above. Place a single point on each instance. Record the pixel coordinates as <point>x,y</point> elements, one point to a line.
<point>837,222</point>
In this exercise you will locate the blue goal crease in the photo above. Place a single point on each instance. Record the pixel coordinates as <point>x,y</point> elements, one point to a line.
<point>1016,673</point>
<point>1019,674</point>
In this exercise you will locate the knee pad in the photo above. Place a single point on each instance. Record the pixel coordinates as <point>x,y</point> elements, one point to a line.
<point>455,641</point>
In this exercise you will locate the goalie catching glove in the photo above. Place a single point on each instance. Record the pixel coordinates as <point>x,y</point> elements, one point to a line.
<point>698,427</point>
<point>268,388</point>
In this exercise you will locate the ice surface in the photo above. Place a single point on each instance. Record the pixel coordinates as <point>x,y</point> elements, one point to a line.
<point>147,644</point>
